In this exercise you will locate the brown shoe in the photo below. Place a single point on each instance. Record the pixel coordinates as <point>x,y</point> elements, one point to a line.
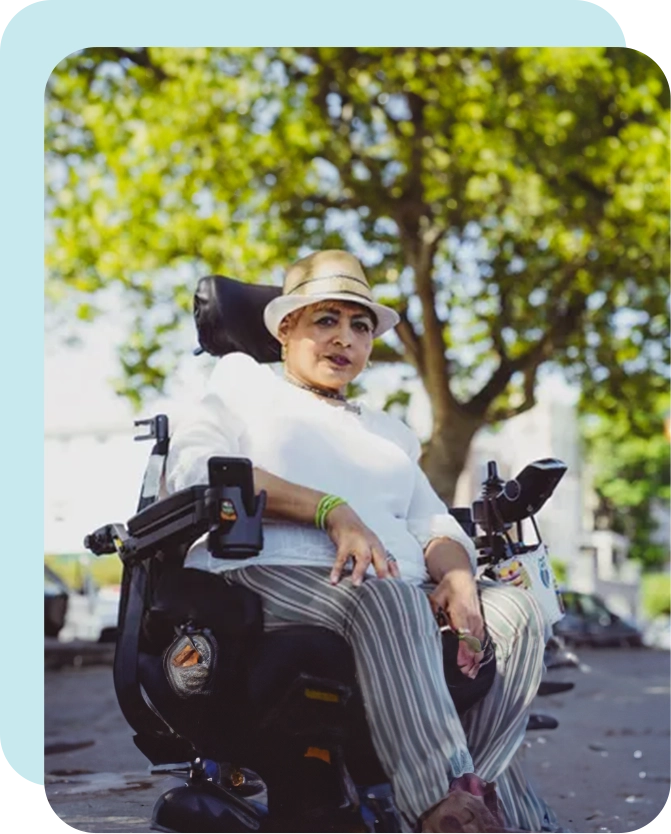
<point>471,807</point>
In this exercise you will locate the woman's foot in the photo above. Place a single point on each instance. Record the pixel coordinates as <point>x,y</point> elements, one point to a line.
<point>471,806</point>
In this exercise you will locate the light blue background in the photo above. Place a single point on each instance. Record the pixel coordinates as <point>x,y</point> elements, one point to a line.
<point>34,42</point>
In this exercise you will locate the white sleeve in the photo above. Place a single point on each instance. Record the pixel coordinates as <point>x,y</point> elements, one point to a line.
<point>428,516</point>
<point>212,428</point>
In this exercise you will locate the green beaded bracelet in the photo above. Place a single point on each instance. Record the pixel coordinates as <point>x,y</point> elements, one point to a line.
<point>324,507</point>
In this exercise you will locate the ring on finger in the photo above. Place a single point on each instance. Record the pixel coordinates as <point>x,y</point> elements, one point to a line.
<point>390,556</point>
<point>472,642</point>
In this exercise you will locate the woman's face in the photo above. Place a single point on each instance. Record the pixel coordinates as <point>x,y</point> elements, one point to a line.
<point>328,344</point>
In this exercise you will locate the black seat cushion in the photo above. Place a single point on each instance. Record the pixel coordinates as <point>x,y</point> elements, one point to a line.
<point>207,600</point>
<point>231,613</point>
<point>229,318</point>
<point>286,653</point>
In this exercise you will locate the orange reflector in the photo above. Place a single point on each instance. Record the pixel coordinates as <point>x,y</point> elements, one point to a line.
<point>318,753</point>
<point>318,695</point>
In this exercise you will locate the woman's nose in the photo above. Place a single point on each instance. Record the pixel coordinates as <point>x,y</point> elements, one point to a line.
<point>344,335</point>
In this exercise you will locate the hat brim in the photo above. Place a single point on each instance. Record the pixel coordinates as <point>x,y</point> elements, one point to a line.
<point>280,307</point>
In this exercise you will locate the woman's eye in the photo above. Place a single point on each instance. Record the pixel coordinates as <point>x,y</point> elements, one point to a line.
<point>326,320</point>
<point>362,326</point>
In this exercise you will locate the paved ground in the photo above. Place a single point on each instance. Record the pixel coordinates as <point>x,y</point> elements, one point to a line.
<point>605,769</point>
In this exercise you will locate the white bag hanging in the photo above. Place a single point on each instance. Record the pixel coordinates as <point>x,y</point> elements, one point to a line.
<point>533,572</point>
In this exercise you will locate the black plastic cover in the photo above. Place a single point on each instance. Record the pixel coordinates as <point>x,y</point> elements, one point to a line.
<point>204,807</point>
<point>534,485</point>
<point>229,318</point>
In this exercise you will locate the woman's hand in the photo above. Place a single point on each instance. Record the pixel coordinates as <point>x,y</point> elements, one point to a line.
<point>457,595</point>
<point>355,541</point>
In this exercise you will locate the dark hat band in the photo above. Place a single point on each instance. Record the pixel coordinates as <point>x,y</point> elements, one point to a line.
<point>310,281</point>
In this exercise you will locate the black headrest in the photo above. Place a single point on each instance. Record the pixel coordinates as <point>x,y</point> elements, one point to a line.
<point>229,318</point>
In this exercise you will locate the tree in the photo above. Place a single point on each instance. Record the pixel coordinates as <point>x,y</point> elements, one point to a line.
<point>512,204</point>
<point>631,477</point>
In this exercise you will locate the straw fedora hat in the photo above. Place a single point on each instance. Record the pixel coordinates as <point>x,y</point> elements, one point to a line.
<point>331,275</point>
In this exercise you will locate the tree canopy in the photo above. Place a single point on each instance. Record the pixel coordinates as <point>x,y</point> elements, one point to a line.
<point>632,479</point>
<point>512,204</point>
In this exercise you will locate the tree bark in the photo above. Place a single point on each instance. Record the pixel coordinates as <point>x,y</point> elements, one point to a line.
<point>444,456</point>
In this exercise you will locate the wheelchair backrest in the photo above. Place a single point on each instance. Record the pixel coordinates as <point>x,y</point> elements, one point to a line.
<point>229,318</point>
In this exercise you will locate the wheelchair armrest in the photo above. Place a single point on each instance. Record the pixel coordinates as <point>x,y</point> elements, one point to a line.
<point>179,519</point>
<point>169,523</point>
<point>187,503</point>
<point>183,517</point>
<point>174,521</point>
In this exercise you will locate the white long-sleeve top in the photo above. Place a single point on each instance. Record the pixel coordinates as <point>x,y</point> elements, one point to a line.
<point>370,460</point>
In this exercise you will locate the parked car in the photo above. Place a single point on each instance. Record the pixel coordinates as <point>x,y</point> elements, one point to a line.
<point>108,613</point>
<point>56,600</point>
<point>558,656</point>
<point>589,622</point>
<point>92,613</point>
<point>657,634</point>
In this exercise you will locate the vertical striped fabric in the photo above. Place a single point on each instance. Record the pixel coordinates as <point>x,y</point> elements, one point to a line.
<point>417,733</point>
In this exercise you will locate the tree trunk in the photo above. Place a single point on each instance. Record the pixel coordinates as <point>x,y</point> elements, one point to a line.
<point>446,453</point>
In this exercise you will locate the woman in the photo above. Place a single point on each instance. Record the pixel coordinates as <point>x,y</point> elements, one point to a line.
<point>356,540</point>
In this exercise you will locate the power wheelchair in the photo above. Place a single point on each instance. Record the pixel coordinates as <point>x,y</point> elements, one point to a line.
<point>277,739</point>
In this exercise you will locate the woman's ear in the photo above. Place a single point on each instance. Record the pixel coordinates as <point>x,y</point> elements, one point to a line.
<point>285,328</point>
<point>283,338</point>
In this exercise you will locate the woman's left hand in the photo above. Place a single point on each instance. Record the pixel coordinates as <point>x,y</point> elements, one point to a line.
<point>457,596</point>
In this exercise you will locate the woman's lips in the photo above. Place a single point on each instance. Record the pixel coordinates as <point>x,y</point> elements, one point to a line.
<point>340,361</point>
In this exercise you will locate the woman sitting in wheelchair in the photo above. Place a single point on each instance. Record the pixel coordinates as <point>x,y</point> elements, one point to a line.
<point>357,541</point>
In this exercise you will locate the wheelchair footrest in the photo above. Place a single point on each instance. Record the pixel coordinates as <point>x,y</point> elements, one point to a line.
<point>554,687</point>
<point>541,722</point>
<point>205,807</point>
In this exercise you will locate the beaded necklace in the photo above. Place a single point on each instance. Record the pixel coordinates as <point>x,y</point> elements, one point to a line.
<point>321,392</point>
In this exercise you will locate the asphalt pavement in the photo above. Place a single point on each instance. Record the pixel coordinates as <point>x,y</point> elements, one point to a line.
<point>606,768</point>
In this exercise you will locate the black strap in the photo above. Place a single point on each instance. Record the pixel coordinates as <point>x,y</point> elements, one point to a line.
<point>135,578</point>
<point>153,474</point>
<point>135,709</point>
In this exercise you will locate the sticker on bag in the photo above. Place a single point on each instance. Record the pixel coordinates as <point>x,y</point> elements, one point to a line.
<point>190,662</point>
<point>533,572</point>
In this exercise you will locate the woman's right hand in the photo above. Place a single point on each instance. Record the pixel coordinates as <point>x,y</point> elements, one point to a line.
<point>353,540</point>
<point>457,596</point>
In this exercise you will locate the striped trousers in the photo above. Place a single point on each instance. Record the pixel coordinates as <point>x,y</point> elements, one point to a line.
<point>421,742</point>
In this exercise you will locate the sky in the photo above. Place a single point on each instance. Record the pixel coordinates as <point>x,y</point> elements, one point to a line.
<point>93,468</point>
